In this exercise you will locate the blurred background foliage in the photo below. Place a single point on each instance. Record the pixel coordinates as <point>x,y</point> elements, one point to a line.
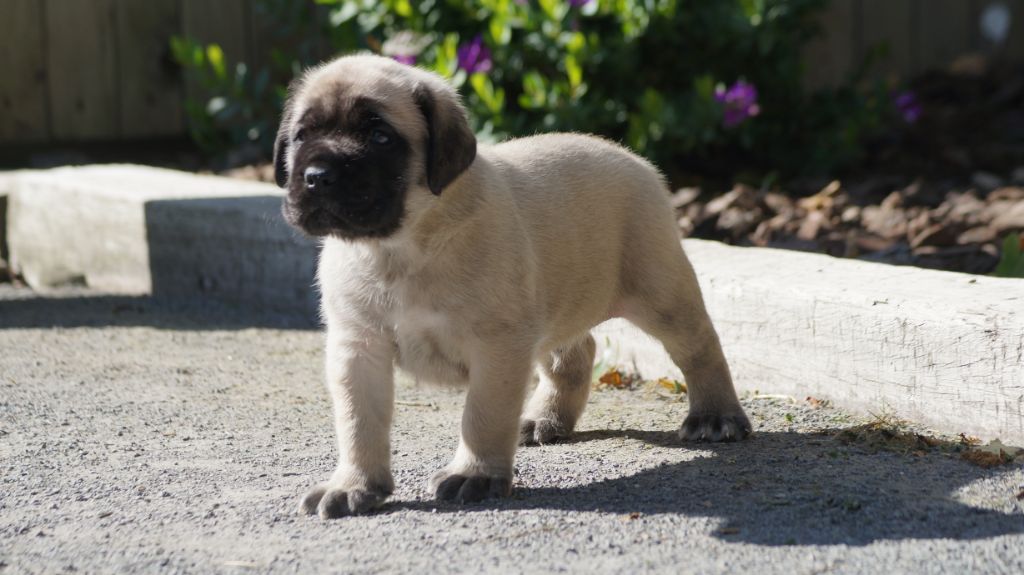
<point>697,87</point>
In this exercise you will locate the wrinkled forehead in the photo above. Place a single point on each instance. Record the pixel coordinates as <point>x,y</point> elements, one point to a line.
<point>347,96</point>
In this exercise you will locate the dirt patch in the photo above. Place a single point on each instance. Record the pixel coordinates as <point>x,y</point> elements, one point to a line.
<point>888,433</point>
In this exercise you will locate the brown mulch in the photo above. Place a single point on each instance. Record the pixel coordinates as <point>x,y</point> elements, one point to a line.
<point>915,224</point>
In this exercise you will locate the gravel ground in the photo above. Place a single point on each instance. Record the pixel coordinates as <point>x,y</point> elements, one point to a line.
<point>137,437</point>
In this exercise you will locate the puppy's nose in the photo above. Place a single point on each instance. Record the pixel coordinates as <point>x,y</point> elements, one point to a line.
<point>318,178</point>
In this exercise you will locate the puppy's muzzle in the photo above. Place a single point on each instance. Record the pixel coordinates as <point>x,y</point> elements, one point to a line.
<point>332,196</point>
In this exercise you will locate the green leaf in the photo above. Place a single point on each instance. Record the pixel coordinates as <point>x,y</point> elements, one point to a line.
<point>215,55</point>
<point>1011,263</point>
<point>493,99</point>
<point>403,8</point>
<point>181,50</point>
<point>445,55</point>
<point>535,91</point>
<point>481,85</point>
<point>704,87</point>
<point>577,41</point>
<point>500,30</point>
<point>573,71</point>
<point>555,10</point>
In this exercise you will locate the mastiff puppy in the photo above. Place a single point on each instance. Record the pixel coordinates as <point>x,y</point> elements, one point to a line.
<point>473,265</point>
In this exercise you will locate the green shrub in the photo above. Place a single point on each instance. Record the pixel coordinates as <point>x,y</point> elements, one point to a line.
<point>711,84</point>
<point>243,105</point>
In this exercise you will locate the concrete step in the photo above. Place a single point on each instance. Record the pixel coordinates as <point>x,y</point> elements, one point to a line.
<point>941,348</point>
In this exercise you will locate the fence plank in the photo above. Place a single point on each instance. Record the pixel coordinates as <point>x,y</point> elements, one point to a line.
<point>891,23</point>
<point>1015,43</point>
<point>150,87</point>
<point>82,61</point>
<point>945,33</point>
<point>23,80</point>
<point>829,57</point>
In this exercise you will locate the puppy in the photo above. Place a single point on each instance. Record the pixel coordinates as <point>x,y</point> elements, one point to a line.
<point>471,265</point>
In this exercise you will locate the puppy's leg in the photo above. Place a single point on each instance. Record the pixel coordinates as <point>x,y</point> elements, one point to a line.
<point>561,395</point>
<point>672,310</point>
<point>482,466</point>
<point>360,378</point>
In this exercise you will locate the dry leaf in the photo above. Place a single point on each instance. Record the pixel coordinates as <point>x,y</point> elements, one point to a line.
<point>612,378</point>
<point>618,379</point>
<point>672,385</point>
<point>969,439</point>
<point>816,403</point>
<point>821,201</point>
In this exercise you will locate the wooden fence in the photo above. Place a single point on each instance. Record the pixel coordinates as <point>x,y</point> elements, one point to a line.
<point>87,70</point>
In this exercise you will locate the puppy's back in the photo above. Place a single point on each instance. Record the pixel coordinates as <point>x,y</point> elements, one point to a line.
<point>582,181</point>
<point>599,212</point>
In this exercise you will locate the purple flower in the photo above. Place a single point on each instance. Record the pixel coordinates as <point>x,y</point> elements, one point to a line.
<point>475,56</point>
<point>579,3</point>
<point>407,59</point>
<point>740,101</point>
<point>908,106</point>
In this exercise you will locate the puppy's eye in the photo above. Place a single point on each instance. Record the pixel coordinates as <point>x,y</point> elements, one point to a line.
<point>379,137</point>
<point>300,135</point>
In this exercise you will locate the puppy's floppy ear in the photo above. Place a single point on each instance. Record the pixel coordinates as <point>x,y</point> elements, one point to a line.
<point>451,145</point>
<point>281,146</point>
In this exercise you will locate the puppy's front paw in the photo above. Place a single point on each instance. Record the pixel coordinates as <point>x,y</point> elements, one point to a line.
<point>330,502</point>
<point>448,486</point>
<point>709,427</point>
<point>538,431</point>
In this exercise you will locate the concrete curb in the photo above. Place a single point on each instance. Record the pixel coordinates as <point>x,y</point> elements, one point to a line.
<point>140,230</point>
<point>941,348</point>
<point>945,349</point>
<point>7,180</point>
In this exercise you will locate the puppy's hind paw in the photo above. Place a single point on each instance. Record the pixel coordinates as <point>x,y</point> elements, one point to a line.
<point>462,489</point>
<point>540,431</point>
<point>715,427</point>
<point>331,503</point>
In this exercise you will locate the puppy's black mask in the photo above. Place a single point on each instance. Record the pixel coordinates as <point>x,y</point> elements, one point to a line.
<point>350,174</point>
<point>349,168</point>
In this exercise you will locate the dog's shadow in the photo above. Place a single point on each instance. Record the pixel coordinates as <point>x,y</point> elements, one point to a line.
<point>785,488</point>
